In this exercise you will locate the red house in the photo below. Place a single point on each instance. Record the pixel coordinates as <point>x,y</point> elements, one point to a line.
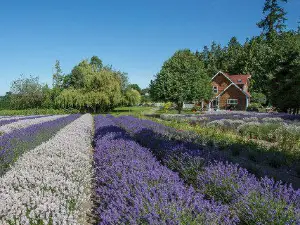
<point>230,92</point>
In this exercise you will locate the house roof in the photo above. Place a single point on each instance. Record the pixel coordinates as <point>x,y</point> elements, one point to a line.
<point>238,78</point>
<point>233,78</point>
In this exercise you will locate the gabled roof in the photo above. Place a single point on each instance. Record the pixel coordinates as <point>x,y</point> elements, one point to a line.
<point>239,78</point>
<point>233,85</point>
<point>231,78</point>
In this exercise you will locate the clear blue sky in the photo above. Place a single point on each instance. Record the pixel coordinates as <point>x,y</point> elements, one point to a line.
<point>135,36</point>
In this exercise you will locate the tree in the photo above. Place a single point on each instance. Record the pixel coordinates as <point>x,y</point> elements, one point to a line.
<point>274,21</point>
<point>259,98</point>
<point>78,72</point>
<point>26,93</point>
<point>234,62</point>
<point>58,76</point>
<point>5,101</point>
<point>91,89</point>
<point>96,63</point>
<point>132,97</point>
<point>48,97</point>
<point>182,78</point>
<point>135,87</point>
<point>286,81</point>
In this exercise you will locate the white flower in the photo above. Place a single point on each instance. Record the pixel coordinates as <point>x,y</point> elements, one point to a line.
<point>45,179</point>
<point>27,122</point>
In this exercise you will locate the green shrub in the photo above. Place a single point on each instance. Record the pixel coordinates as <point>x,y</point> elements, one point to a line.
<point>259,98</point>
<point>254,107</point>
<point>167,106</point>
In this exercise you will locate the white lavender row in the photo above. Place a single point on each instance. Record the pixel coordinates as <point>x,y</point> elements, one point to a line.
<point>27,122</point>
<point>15,117</point>
<point>51,184</point>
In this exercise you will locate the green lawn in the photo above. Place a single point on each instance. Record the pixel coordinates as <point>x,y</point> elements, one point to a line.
<point>173,111</point>
<point>133,110</point>
<point>28,112</point>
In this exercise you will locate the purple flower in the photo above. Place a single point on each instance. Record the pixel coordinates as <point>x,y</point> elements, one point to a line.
<point>134,188</point>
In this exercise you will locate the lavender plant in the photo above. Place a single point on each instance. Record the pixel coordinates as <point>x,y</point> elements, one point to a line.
<point>27,122</point>
<point>256,201</point>
<point>134,188</point>
<point>15,119</point>
<point>17,142</point>
<point>51,184</point>
<point>228,183</point>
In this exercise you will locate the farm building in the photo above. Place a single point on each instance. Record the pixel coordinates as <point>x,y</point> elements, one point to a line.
<point>230,92</point>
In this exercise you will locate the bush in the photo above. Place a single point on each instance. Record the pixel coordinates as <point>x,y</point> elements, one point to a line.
<point>259,98</point>
<point>254,107</point>
<point>167,106</point>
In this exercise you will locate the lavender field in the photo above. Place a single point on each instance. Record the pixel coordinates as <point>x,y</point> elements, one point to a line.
<point>80,169</point>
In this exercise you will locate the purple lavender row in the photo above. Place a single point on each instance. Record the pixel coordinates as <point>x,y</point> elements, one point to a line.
<point>132,187</point>
<point>255,201</point>
<point>15,143</point>
<point>4,122</point>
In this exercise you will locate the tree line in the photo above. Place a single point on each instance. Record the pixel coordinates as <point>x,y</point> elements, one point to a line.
<point>90,87</point>
<point>272,58</point>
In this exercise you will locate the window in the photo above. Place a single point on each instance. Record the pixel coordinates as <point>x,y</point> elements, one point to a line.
<point>240,80</point>
<point>215,89</point>
<point>232,101</point>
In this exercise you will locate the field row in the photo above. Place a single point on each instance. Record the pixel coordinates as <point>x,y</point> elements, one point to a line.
<point>139,172</point>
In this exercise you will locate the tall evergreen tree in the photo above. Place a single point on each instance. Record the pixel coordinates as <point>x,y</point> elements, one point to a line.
<point>96,63</point>
<point>58,75</point>
<point>274,21</point>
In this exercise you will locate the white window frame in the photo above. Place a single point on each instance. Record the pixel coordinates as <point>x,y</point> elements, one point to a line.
<point>215,89</point>
<point>232,101</point>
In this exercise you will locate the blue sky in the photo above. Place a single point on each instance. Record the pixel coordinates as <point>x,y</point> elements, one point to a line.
<point>135,36</point>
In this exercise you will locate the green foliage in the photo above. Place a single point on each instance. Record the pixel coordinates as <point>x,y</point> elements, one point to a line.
<point>5,101</point>
<point>274,20</point>
<point>96,63</point>
<point>258,98</point>
<point>286,81</point>
<point>273,64</point>
<point>254,107</point>
<point>182,78</point>
<point>146,99</point>
<point>167,106</point>
<point>91,89</point>
<point>132,97</point>
<point>135,87</point>
<point>58,76</point>
<point>26,93</point>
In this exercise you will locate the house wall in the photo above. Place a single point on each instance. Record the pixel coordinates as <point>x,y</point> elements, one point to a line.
<point>233,93</point>
<point>221,82</point>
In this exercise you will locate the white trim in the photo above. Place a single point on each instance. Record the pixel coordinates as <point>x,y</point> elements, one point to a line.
<point>216,90</point>
<point>220,72</point>
<point>240,89</point>
<point>224,90</point>
<point>232,83</point>
<point>232,99</point>
<point>229,87</point>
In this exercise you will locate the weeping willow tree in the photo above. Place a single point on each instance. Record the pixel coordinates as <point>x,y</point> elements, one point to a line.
<point>90,89</point>
<point>132,97</point>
